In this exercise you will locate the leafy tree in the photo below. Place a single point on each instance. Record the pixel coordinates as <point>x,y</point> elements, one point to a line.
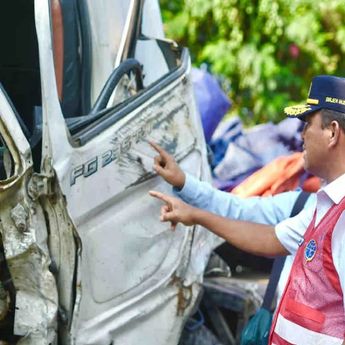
<point>268,50</point>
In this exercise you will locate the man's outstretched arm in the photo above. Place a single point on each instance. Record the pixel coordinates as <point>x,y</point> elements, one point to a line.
<point>254,238</point>
<point>266,210</point>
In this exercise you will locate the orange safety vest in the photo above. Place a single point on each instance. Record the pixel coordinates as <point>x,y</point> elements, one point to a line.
<point>311,310</point>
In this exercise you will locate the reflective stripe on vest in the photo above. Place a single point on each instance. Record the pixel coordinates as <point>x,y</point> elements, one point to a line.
<point>296,334</point>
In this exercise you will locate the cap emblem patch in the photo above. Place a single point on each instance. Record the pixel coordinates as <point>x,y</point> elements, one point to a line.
<point>296,110</point>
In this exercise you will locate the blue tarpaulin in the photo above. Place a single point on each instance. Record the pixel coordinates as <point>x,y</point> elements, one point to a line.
<point>237,153</point>
<point>212,102</point>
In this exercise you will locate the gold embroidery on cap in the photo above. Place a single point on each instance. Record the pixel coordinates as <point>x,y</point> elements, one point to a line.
<point>335,100</point>
<point>296,110</point>
<point>312,101</point>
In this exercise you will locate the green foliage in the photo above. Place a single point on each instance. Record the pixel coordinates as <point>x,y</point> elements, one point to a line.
<point>268,50</point>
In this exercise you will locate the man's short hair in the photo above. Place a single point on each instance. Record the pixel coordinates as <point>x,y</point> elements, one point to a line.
<point>328,116</point>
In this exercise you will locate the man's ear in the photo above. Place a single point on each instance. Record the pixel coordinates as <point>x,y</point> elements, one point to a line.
<point>334,133</point>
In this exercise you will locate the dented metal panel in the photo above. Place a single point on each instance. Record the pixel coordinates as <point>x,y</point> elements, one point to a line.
<point>24,239</point>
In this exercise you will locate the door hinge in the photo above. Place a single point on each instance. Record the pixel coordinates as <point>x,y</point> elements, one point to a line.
<point>40,185</point>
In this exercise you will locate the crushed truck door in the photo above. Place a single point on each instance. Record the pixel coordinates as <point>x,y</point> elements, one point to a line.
<point>28,294</point>
<point>130,267</point>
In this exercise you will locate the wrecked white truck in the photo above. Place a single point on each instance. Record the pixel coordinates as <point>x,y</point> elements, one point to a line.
<point>83,256</point>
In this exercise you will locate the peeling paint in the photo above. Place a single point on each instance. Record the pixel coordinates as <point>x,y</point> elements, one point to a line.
<point>19,216</point>
<point>184,295</point>
<point>24,239</point>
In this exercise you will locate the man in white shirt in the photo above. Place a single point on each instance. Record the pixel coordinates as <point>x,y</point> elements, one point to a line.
<point>311,310</point>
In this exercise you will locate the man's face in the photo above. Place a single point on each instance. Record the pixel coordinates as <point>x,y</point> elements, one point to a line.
<point>315,145</point>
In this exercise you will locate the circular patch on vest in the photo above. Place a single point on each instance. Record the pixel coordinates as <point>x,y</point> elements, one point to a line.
<point>310,250</point>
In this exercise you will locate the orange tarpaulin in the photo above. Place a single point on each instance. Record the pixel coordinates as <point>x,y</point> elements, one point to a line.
<point>281,175</point>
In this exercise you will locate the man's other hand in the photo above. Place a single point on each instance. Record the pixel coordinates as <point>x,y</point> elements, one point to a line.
<point>174,210</point>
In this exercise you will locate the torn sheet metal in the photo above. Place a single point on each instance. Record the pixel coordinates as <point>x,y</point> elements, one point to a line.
<point>24,236</point>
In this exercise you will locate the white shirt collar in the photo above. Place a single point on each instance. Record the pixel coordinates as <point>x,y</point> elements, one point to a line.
<point>336,189</point>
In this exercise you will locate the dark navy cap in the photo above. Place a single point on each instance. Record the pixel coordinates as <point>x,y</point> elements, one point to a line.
<point>326,92</point>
